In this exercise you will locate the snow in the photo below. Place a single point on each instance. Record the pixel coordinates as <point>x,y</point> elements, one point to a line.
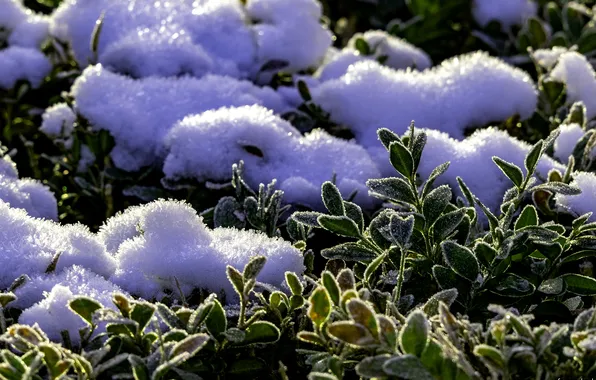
<point>399,52</point>
<point>205,147</point>
<point>471,159</point>
<point>28,245</point>
<point>507,12</point>
<point>8,168</point>
<point>20,63</point>
<point>577,73</point>
<point>146,37</point>
<point>289,30</point>
<point>548,58</point>
<point>465,91</point>
<point>584,202</point>
<point>337,64</point>
<point>569,136</point>
<point>176,244</point>
<point>79,280</point>
<point>139,113</point>
<point>26,28</point>
<point>58,123</point>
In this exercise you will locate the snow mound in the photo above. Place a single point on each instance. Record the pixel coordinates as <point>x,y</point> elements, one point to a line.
<point>465,91</point>
<point>58,123</point>
<point>569,136</point>
<point>20,63</point>
<point>172,243</point>
<point>28,194</point>
<point>26,28</point>
<point>471,159</point>
<point>548,58</point>
<point>28,246</point>
<point>584,202</point>
<point>139,113</point>
<point>205,147</point>
<point>507,12</point>
<point>146,37</point>
<point>577,73</point>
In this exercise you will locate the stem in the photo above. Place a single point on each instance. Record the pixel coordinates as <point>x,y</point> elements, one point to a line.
<point>242,313</point>
<point>400,277</point>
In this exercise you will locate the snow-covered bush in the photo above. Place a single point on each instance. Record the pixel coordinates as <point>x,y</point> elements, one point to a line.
<point>584,202</point>
<point>165,241</point>
<point>27,194</point>
<point>466,91</point>
<point>140,112</point>
<point>574,70</point>
<point>22,59</point>
<point>189,37</point>
<point>205,147</point>
<point>506,12</point>
<point>570,135</point>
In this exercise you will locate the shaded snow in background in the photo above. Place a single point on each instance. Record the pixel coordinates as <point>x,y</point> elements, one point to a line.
<point>205,147</point>
<point>465,91</point>
<point>584,202</point>
<point>507,12</point>
<point>22,59</point>
<point>569,136</point>
<point>577,73</point>
<point>139,113</point>
<point>58,124</point>
<point>175,242</point>
<point>145,37</point>
<point>28,194</point>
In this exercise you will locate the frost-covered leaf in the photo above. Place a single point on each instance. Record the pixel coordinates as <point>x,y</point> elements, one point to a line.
<point>407,367</point>
<point>401,229</point>
<point>332,199</point>
<point>528,217</point>
<point>320,307</point>
<point>461,260</point>
<point>372,366</point>
<point>512,285</point>
<point>351,333</point>
<point>261,332</point>
<point>394,189</point>
<point>341,225</point>
<point>580,285</point>
<point>435,203</point>
<point>512,171</point>
<point>362,314</point>
<point>401,158</point>
<point>85,307</point>
<point>349,252</point>
<point>447,223</point>
<point>413,336</point>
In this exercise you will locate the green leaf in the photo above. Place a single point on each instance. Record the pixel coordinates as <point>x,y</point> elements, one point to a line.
<point>393,189</point>
<point>387,137</point>
<point>309,337</point>
<point>418,147</point>
<point>340,225</point>
<point>362,314</point>
<point>351,333</point>
<point>253,268</point>
<point>362,46</point>
<point>308,218</point>
<point>372,267</point>
<point>95,34</point>
<point>407,367</point>
<point>447,223</point>
<point>332,199</point>
<point>512,285</point>
<point>372,366</point>
<point>388,334</point>
<point>587,43</point>
<point>435,203</point>
<point>447,296</point>
<point>320,307</point>
<point>349,252</point>
<point>85,307</point>
<point>580,285</point>
<point>461,260</point>
<point>401,230</point>
<point>579,255</point>
<point>304,91</point>
<point>294,283</point>
<point>491,357</point>
<point>330,283</point>
<point>537,32</point>
<point>250,367</point>
<point>346,280</point>
<point>261,332</point>
<point>552,286</point>
<point>436,173</point>
<point>235,277</point>
<point>6,298</point>
<point>414,335</point>
<point>558,188</point>
<point>228,213</point>
<point>401,158</point>
<point>354,212</point>
<point>531,160</point>
<point>512,171</point>
<point>216,321</point>
<point>528,217</point>
<point>445,277</point>
<point>142,312</point>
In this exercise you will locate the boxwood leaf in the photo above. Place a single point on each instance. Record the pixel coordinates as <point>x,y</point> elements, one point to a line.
<point>349,252</point>
<point>512,171</point>
<point>85,307</point>
<point>340,225</point>
<point>387,137</point>
<point>216,321</point>
<point>261,332</point>
<point>447,223</point>
<point>512,285</point>
<point>528,217</point>
<point>552,286</point>
<point>330,283</point>
<point>580,285</point>
<point>435,203</point>
<point>351,333</point>
<point>332,199</point>
<point>320,307</point>
<point>393,188</point>
<point>401,158</point>
<point>372,366</point>
<point>362,314</point>
<point>407,367</point>
<point>142,312</point>
<point>414,334</point>
<point>461,260</point>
